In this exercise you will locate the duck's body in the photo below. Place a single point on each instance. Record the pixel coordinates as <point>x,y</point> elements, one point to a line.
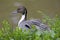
<point>26,24</point>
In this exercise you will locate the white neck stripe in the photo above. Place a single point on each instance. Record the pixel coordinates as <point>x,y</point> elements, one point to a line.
<point>22,19</point>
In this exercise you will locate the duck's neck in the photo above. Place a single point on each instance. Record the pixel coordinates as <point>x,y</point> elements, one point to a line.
<point>23,18</point>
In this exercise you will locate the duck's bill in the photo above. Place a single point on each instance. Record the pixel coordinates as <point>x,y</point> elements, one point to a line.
<point>15,12</point>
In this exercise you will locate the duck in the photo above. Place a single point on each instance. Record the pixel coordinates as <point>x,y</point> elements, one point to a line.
<point>26,24</point>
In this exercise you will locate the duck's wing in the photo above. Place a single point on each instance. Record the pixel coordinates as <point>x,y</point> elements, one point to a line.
<point>38,24</point>
<point>32,22</point>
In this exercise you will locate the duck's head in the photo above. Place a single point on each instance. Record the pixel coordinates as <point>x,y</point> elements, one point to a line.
<point>21,9</point>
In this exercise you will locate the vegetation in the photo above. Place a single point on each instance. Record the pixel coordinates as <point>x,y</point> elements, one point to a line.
<point>7,33</point>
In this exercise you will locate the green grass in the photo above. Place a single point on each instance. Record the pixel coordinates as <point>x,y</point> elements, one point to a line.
<point>7,33</point>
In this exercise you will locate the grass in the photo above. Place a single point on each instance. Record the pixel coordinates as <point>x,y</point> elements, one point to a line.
<point>7,33</point>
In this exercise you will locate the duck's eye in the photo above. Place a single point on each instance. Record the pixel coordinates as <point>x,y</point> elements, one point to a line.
<point>18,9</point>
